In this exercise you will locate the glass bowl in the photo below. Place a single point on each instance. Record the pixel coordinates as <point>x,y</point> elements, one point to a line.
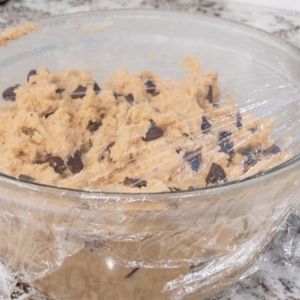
<point>74,244</point>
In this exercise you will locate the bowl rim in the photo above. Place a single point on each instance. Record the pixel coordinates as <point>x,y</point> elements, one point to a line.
<point>287,45</point>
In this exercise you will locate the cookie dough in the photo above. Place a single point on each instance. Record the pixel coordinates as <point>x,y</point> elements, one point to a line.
<point>15,32</point>
<point>135,133</point>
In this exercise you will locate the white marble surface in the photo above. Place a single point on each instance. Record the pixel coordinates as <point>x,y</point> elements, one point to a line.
<point>277,274</point>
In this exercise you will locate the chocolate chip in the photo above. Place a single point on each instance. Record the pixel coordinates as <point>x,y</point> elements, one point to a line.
<point>274,149</point>
<point>20,290</point>
<point>239,124</point>
<point>205,125</point>
<point>79,92</point>
<point>151,88</point>
<point>152,122</point>
<point>86,147</point>
<point>41,160</point>
<point>225,145</point>
<point>23,286</point>
<point>96,88</point>
<point>135,182</point>
<point>59,91</point>
<point>57,164</point>
<point>174,189</point>
<point>194,160</point>
<point>9,94</point>
<point>209,95</point>
<point>117,95</point>
<point>132,272</point>
<point>48,114</point>
<point>224,135</point>
<point>153,133</point>
<point>109,146</point>
<point>248,150</point>
<point>93,126</point>
<point>215,174</point>
<point>253,130</point>
<point>250,155</point>
<point>26,178</point>
<point>249,162</point>
<point>31,73</point>
<point>75,161</point>
<point>129,98</point>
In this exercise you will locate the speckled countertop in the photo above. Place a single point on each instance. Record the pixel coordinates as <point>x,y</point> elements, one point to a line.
<point>277,274</point>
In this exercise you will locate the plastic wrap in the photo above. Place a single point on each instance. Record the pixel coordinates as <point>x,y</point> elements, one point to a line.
<point>178,240</point>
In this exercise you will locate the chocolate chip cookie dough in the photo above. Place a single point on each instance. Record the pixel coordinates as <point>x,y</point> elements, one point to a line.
<point>15,32</point>
<point>135,133</point>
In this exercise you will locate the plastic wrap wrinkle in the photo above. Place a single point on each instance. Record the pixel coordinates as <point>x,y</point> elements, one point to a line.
<point>66,242</point>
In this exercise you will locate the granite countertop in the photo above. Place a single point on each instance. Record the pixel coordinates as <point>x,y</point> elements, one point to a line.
<point>277,274</point>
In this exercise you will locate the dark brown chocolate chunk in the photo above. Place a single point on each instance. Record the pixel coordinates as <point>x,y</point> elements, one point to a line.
<point>239,124</point>
<point>85,148</point>
<point>75,161</point>
<point>151,88</point>
<point>129,98</point>
<point>79,92</point>
<point>253,130</point>
<point>225,145</point>
<point>57,164</point>
<point>132,272</point>
<point>21,289</point>
<point>249,150</point>
<point>174,189</point>
<point>31,73</point>
<point>49,114</point>
<point>274,149</point>
<point>117,95</point>
<point>93,126</point>
<point>26,178</point>
<point>153,133</point>
<point>245,150</point>
<point>205,125</point>
<point>9,94</point>
<point>109,146</point>
<point>250,155</point>
<point>59,91</point>
<point>209,95</point>
<point>41,160</point>
<point>152,122</point>
<point>224,135</point>
<point>23,286</point>
<point>194,159</point>
<point>96,88</point>
<point>215,174</point>
<point>134,182</point>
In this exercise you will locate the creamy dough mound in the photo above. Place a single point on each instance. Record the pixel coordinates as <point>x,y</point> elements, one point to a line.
<point>138,133</point>
<point>14,33</point>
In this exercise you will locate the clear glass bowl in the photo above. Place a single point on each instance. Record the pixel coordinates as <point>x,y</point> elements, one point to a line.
<point>91,245</point>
